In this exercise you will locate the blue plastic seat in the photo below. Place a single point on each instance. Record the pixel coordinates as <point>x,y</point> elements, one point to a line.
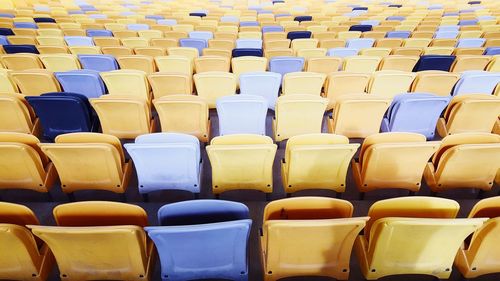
<point>395,6</point>
<point>360,43</point>
<point>449,28</point>
<point>476,82</point>
<point>435,7</point>
<point>249,44</point>
<point>98,62</point>
<point>414,113</point>
<point>470,42</point>
<point>298,34</point>
<point>272,28</point>
<point>99,33</point>
<point>468,22</point>
<point>446,34</point>
<point>30,25</point>
<point>205,35</point>
<point>451,14</point>
<point>434,62</point>
<point>202,239</point>
<point>242,114</point>
<point>85,82</point>
<point>249,23</point>
<point>44,19</point>
<point>303,18</point>
<point>360,8</point>
<point>168,22</point>
<point>166,161</point>
<point>247,52</point>
<point>229,19</point>
<point>14,49</point>
<point>137,26</point>
<point>360,27</point>
<point>4,40</point>
<point>7,15</point>
<point>398,34</point>
<point>342,52</point>
<point>398,18</point>
<point>264,84</point>
<point>199,44</point>
<point>154,17</point>
<point>6,32</point>
<point>98,16</point>
<point>198,14</point>
<point>491,51</point>
<point>78,41</point>
<point>284,65</point>
<point>486,17</point>
<point>62,113</point>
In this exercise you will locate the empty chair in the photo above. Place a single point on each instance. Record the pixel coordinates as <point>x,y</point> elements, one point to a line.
<point>434,62</point>
<point>344,83</point>
<point>360,43</point>
<point>78,41</point>
<point>398,34</point>
<point>242,114</point>
<point>303,43</point>
<point>165,83</point>
<point>60,62</point>
<point>247,52</point>
<point>397,62</point>
<point>21,61</point>
<point>298,35</point>
<point>186,114</point>
<point>207,35</point>
<point>14,49</point>
<point>242,161</point>
<point>35,82</point>
<point>212,63</point>
<point>212,85</point>
<point>166,161</point>
<point>421,233</point>
<point>390,83</point>
<point>100,156</point>
<point>104,229</point>
<point>265,84</point>
<point>446,34</point>
<point>470,42</point>
<point>137,26</point>
<point>187,233</point>
<point>477,82</point>
<point>196,43</point>
<point>342,52</point>
<point>98,62</point>
<point>174,64</point>
<point>99,33</point>
<point>415,113</point>
<point>85,82</point>
<point>362,64</point>
<point>137,62</point>
<point>457,116</point>
<point>303,83</point>
<point>284,65</point>
<point>272,28</point>
<point>15,115</point>
<point>316,161</point>
<point>467,160</point>
<point>127,82</point>
<point>246,64</point>
<point>26,258</point>
<point>62,113</point>
<point>435,82</point>
<point>249,44</point>
<point>470,62</point>
<point>358,115</point>
<point>320,225</point>
<point>297,115</point>
<point>324,64</point>
<point>491,51</point>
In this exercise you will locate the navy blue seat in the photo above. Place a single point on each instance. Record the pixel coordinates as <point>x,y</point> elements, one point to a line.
<point>14,49</point>
<point>242,52</point>
<point>434,62</point>
<point>298,34</point>
<point>303,18</point>
<point>83,81</point>
<point>360,9</point>
<point>6,31</point>
<point>361,27</point>
<point>278,1</point>
<point>43,19</point>
<point>62,113</point>
<point>395,6</point>
<point>197,14</point>
<point>202,239</point>
<point>474,2</point>
<point>98,62</point>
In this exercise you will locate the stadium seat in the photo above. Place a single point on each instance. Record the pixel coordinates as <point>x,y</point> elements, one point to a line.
<point>35,82</point>
<point>21,61</point>
<point>476,82</point>
<point>344,83</point>
<point>242,114</point>
<point>213,85</point>
<point>284,65</point>
<point>85,82</point>
<point>435,82</point>
<point>390,83</point>
<point>434,63</point>
<point>265,84</point>
<point>98,62</point>
<point>303,83</point>
<point>127,82</point>
<point>212,63</point>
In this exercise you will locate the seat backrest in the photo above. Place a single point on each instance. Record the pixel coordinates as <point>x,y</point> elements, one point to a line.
<point>174,64</point>
<point>246,64</point>
<point>14,49</point>
<point>470,42</point>
<point>60,62</point>
<point>342,52</point>
<point>434,62</point>
<point>390,83</point>
<point>14,114</point>
<point>360,43</point>
<point>7,84</point>
<point>398,62</point>
<point>344,83</point>
<point>98,62</point>
<point>127,82</point>
<point>21,61</point>
<point>78,41</point>
<point>362,64</point>
<point>484,108</point>
<point>435,82</point>
<point>17,214</point>
<point>213,85</point>
<point>35,82</point>
<point>84,82</point>
<point>197,43</point>
<point>165,84</point>
<point>212,63</point>
<point>187,52</point>
<point>284,65</point>
<point>265,84</point>
<point>477,82</point>
<point>242,114</point>
<point>303,83</point>
<point>247,52</point>
<point>137,62</point>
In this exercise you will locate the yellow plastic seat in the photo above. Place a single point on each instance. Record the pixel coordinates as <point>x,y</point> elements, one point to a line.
<point>242,65</point>
<point>303,83</point>
<point>49,32</point>
<point>361,64</point>
<point>398,62</point>
<point>117,51</point>
<point>221,44</point>
<point>373,34</point>
<point>214,84</point>
<point>276,44</point>
<point>316,161</point>
<point>125,34</point>
<point>21,40</point>
<point>390,83</point>
<point>269,54</point>
<point>52,49</point>
<point>165,83</point>
<point>376,52</point>
<point>417,42</point>
<point>23,165</point>
<point>183,27</point>
<point>344,83</point>
<point>242,161</point>
<point>274,36</point>
<point>412,235</point>
<point>150,51</point>
<point>116,246</point>
<point>311,53</point>
<point>150,34</point>
<point>15,115</point>
<point>175,35</point>
<point>324,65</point>
<point>348,34</point>
<point>137,62</point>
<point>164,42</point>
<point>408,51</point>
<point>217,52</point>
<point>35,82</point>
<point>21,61</point>
<point>127,82</point>
<point>436,82</point>
<point>26,259</point>
<point>494,64</point>
<point>107,41</point>
<point>469,51</point>
<point>212,63</point>
<point>479,256</point>
<point>406,153</point>
<point>187,52</point>
<point>60,62</point>
<point>115,26</point>
<point>464,63</point>
<point>250,35</point>
<point>457,116</point>
<point>74,32</point>
<point>123,116</point>
<point>444,42</point>
<point>358,115</point>
<point>470,34</point>
<point>389,42</point>
<point>50,40</point>
<point>174,64</point>
<point>467,160</point>
<point>297,115</point>
<point>332,43</point>
<point>440,51</point>
<point>134,42</point>
<point>297,232</point>
<point>85,50</point>
<point>7,85</point>
<point>299,44</point>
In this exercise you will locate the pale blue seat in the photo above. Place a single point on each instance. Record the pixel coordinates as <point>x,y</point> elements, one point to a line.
<point>470,42</point>
<point>284,65</point>
<point>31,25</point>
<point>202,239</point>
<point>398,34</point>
<point>199,44</point>
<point>137,26</point>
<point>449,28</point>
<point>414,113</point>
<point>272,28</point>
<point>249,23</point>
<point>264,84</point>
<point>98,62</point>
<point>398,18</point>
<point>83,81</point>
<point>98,16</point>
<point>242,114</point>
<point>206,35</point>
<point>229,19</point>
<point>446,34</point>
<point>477,82</point>
<point>360,43</point>
<point>248,44</point>
<point>168,22</point>
<point>99,33</point>
<point>78,41</point>
<point>166,161</point>
<point>4,40</point>
<point>342,52</point>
